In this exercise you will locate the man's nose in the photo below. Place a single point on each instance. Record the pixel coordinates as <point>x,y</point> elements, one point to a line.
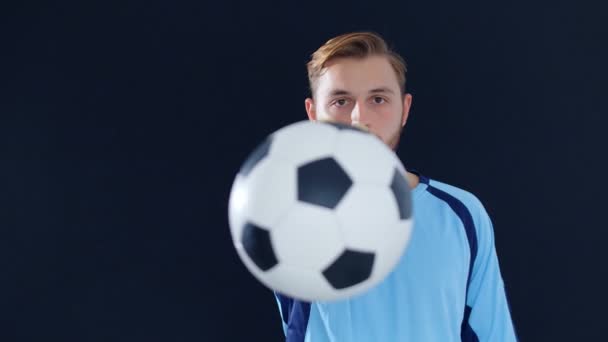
<point>359,115</point>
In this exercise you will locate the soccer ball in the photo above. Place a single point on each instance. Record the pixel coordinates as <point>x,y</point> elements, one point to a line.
<point>320,211</point>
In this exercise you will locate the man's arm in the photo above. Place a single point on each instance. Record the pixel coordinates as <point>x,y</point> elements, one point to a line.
<point>487,315</point>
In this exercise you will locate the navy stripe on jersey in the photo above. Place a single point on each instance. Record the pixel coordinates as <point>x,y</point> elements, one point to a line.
<point>466,332</point>
<point>423,179</point>
<point>295,316</point>
<point>467,220</point>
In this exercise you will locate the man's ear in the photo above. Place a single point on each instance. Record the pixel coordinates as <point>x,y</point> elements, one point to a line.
<point>407,104</point>
<point>310,109</point>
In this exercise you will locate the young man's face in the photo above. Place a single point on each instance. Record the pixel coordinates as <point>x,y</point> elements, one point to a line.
<point>363,92</point>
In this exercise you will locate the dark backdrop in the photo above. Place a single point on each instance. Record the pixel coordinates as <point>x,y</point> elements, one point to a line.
<point>123,125</point>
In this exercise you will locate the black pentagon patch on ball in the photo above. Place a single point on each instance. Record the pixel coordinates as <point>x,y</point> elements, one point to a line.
<point>401,190</point>
<point>254,158</point>
<point>257,244</point>
<point>322,182</point>
<point>351,268</point>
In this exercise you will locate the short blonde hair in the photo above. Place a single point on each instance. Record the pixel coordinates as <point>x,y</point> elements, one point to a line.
<point>354,45</point>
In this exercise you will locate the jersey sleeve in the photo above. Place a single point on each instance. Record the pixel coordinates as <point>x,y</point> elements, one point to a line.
<point>294,317</point>
<point>487,313</point>
<point>282,307</point>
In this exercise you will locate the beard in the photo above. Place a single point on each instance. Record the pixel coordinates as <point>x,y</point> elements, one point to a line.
<point>393,141</point>
<point>395,138</point>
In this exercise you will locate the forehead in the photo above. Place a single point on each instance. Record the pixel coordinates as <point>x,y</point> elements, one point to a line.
<point>358,75</point>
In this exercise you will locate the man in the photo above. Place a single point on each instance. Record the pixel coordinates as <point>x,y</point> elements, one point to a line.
<point>448,285</point>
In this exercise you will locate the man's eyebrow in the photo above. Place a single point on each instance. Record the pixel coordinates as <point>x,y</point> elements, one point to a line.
<point>381,90</point>
<point>338,92</point>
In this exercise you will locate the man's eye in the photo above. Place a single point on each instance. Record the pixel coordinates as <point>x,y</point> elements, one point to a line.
<point>340,102</point>
<point>379,100</point>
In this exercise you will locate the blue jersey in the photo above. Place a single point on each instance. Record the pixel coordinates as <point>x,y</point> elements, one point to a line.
<point>446,287</point>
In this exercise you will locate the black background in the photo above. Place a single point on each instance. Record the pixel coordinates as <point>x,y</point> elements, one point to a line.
<point>123,125</point>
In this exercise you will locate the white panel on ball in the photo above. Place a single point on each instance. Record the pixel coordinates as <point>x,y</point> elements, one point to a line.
<point>358,154</point>
<point>297,282</point>
<point>237,206</point>
<point>303,142</point>
<point>307,237</point>
<point>366,215</point>
<point>274,186</point>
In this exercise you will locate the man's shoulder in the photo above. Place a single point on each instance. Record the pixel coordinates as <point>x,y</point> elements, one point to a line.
<point>448,191</point>
<point>464,203</point>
